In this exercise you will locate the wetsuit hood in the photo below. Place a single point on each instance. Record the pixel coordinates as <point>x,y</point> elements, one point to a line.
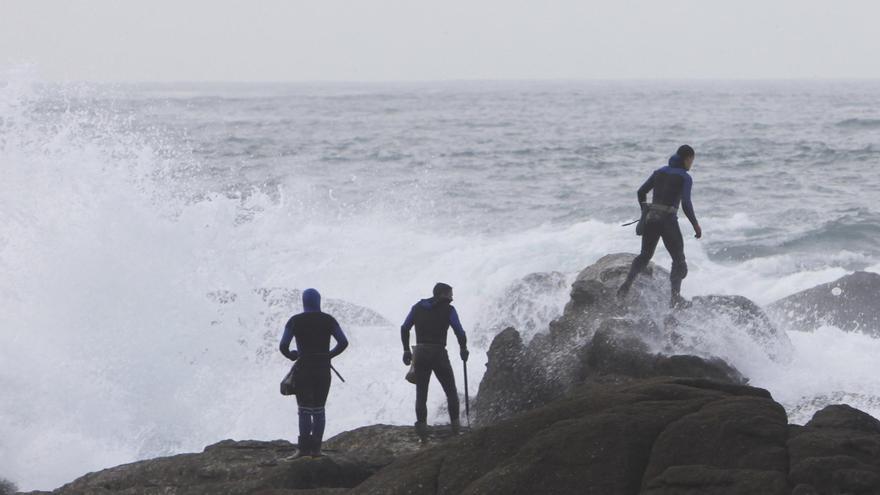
<point>311,301</point>
<point>676,161</point>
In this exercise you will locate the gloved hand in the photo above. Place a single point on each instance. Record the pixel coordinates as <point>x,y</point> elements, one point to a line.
<point>464,353</point>
<point>698,232</point>
<point>407,358</point>
<point>293,356</point>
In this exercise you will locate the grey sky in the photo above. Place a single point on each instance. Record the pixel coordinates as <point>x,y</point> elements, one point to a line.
<point>279,40</point>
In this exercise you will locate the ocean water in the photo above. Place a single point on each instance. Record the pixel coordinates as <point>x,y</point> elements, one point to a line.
<point>140,223</point>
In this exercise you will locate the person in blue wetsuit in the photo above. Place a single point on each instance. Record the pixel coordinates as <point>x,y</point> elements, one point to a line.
<point>432,319</point>
<point>312,330</point>
<point>672,187</point>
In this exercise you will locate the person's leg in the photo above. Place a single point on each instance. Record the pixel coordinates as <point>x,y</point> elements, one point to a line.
<point>319,417</point>
<point>423,377</point>
<point>650,238</point>
<point>443,370</point>
<point>305,399</point>
<point>674,243</point>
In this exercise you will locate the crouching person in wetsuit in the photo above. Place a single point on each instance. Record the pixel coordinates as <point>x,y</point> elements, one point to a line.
<point>672,186</point>
<point>312,330</point>
<point>432,319</point>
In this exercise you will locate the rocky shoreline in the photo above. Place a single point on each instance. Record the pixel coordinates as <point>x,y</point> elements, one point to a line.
<point>607,401</point>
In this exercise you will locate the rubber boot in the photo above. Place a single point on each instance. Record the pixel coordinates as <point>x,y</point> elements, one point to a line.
<point>304,446</point>
<point>422,431</point>
<point>676,301</point>
<point>456,426</point>
<point>316,447</point>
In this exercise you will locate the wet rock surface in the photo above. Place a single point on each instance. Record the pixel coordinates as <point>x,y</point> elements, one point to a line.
<point>851,303</point>
<point>603,338</point>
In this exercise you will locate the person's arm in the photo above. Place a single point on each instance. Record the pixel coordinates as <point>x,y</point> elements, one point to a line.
<point>286,339</point>
<point>341,341</point>
<point>405,328</point>
<point>687,206</point>
<point>642,193</point>
<point>455,322</point>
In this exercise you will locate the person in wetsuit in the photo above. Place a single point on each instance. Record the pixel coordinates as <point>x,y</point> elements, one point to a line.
<point>672,187</point>
<point>432,319</point>
<point>312,330</point>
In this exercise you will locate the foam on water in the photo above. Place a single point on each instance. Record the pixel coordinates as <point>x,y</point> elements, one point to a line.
<point>112,349</point>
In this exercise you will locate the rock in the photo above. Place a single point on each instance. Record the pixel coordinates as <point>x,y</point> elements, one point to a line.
<point>655,436</point>
<point>617,350</point>
<point>601,338</point>
<point>849,303</point>
<point>247,467</point>
<point>611,439</point>
<point>801,411</point>
<point>845,417</point>
<point>838,451</point>
<point>512,383</point>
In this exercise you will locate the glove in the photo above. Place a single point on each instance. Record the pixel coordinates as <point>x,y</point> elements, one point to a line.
<point>294,355</point>
<point>698,232</point>
<point>407,358</point>
<point>464,354</point>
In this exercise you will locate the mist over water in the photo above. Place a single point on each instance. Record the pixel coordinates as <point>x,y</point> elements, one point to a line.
<point>127,209</point>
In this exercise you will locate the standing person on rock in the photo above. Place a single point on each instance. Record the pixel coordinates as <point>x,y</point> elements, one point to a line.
<point>432,319</point>
<point>672,187</point>
<point>312,330</point>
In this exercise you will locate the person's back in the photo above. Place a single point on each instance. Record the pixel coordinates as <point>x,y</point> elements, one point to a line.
<point>312,330</point>
<point>432,319</point>
<point>671,187</point>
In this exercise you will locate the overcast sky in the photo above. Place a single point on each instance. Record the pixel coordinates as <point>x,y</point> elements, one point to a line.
<point>365,40</point>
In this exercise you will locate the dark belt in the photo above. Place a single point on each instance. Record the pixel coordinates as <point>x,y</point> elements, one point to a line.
<point>662,208</point>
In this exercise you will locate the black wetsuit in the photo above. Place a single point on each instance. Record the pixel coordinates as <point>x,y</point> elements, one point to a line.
<point>672,187</point>
<point>312,330</point>
<point>432,319</point>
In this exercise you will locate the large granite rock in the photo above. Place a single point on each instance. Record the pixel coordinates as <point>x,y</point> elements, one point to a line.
<point>837,452</point>
<point>851,303</point>
<point>653,436</point>
<point>249,467</point>
<point>602,338</point>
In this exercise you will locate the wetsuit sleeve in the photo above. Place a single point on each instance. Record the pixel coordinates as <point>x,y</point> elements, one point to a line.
<point>642,193</point>
<point>406,327</point>
<point>286,339</point>
<point>686,204</point>
<point>341,340</point>
<point>455,322</point>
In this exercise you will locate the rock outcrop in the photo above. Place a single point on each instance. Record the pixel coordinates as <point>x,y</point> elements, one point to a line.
<point>837,452</point>
<point>248,467</point>
<point>654,436</point>
<point>658,436</point>
<point>602,338</point>
<point>851,303</point>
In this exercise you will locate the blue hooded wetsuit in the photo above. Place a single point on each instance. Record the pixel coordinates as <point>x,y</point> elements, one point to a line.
<point>672,187</point>
<point>312,330</point>
<point>432,319</point>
